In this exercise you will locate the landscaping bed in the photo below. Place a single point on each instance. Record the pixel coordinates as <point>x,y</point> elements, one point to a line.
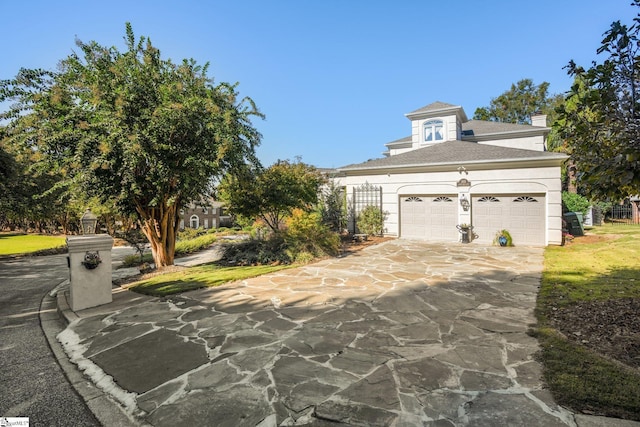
<point>610,328</point>
<point>589,322</point>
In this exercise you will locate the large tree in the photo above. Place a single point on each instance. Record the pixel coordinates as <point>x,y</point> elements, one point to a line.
<point>273,193</point>
<point>517,104</point>
<point>522,100</point>
<point>600,120</point>
<point>132,129</point>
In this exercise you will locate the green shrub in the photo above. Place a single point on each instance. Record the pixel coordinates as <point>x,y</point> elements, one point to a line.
<point>257,252</point>
<point>370,221</point>
<point>196,244</point>
<point>305,232</point>
<point>575,202</point>
<point>190,233</point>
<point>135,260</point>
<point>304,239</point>
<point>332,207</point>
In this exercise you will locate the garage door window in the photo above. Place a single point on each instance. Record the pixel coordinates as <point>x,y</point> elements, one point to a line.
<point>488,199</point>
<point>413,199</point>
<point>442,199</point>
<point>525,199</point>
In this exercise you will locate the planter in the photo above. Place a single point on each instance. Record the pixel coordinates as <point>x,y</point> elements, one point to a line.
<point>466,233</point>
<point>503,238</point>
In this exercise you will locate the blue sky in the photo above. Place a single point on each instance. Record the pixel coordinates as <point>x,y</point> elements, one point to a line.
<point>334,77</point>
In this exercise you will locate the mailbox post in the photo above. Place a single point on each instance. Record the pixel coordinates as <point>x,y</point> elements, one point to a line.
<point>89,269</point>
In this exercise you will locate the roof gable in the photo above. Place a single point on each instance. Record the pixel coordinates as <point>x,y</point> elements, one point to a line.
<point>438,109</point>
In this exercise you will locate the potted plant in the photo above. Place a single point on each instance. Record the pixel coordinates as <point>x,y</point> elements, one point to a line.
<point>503,238</point>
<point>465,231</point>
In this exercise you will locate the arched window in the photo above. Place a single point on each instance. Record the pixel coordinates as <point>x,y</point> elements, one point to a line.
<point>433,130</point>
<point>525,199</point>
<point>195,221</point>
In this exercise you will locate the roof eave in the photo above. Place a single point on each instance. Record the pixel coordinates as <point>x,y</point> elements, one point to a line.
<point>551,161</point>
<point>457,109</point>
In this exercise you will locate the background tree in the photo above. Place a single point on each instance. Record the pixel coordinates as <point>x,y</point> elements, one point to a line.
<point>271,194</point>
<point>519,103</point>
<point>8,182</point>
<point>134,129</point>
<point>600,120</point>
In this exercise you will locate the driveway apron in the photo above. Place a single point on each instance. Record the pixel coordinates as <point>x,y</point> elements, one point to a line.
<point>403,333</point>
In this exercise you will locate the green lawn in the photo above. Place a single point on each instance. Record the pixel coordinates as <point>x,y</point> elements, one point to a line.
<point>600,267</point>
<point>203,276</point>
<point>18,244</point>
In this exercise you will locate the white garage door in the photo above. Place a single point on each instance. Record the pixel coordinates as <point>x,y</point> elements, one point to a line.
<point>431,217</point>
<point>522,215</point>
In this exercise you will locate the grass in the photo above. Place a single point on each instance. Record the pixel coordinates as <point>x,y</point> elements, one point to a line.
<point>22,244</point>
<point>586,382</point>
<point>589,269</point>
<point>593,271</point>
<point>203,276</point>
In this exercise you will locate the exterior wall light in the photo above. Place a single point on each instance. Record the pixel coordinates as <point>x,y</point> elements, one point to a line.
<point>88,222</point>
<point>464,202</point>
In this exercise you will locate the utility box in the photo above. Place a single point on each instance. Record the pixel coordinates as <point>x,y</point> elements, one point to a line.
<point>89,270</point>
<point>573,222</point>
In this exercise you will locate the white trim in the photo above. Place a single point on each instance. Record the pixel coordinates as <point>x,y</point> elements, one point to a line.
<point>197,221</point>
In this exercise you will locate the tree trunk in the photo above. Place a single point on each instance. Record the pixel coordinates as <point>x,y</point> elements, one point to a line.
<point>160,225</point>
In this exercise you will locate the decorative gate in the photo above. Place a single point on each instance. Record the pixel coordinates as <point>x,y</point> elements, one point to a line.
<point>363,196</point>
<point>625,213</point>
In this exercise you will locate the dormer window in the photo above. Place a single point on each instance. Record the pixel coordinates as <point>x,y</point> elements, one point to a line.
<point>433,131</point>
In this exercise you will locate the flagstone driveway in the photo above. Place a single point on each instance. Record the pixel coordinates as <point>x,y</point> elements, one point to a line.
<point>403,333</point>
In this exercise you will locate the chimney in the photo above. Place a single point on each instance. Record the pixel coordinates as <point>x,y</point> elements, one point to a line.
<point>538,119</point>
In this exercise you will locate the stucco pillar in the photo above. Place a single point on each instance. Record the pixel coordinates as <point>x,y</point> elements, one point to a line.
<point>90,287</point>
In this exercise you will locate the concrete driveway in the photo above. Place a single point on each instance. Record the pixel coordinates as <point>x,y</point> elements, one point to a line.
<point>404,333</point>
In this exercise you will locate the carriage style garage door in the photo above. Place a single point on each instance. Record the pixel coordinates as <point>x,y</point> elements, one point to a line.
<point>522,215</point>
<point>431,217</point>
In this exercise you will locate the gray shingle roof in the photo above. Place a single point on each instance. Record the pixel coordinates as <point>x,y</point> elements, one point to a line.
<point>482,127</point>
<point>434,106</point>
<point>454,152</point>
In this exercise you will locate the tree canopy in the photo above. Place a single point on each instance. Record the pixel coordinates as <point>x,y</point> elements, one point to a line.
<point>519,103</point>
<point>273,193</point>
<point>132,129</point>
<point>600,119</point>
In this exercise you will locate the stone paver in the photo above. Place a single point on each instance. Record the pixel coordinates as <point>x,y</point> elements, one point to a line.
<point>404,333</point>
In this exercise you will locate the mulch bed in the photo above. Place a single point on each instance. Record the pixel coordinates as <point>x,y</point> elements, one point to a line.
<point>611,328</point>
<point>349,245</point>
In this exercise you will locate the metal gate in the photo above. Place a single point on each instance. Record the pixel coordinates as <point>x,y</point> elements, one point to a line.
<point>625,213</point>
<point>363,196</point>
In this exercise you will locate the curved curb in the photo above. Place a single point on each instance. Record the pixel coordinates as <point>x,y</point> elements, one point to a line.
<point>55,315</point>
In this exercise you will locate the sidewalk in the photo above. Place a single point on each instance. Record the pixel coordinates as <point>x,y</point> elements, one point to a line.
<point>402,333</point>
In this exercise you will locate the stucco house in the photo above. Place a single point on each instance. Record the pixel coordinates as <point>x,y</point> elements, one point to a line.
<point>452,171</point>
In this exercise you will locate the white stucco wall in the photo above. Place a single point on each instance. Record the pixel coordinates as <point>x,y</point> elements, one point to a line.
<point>527,143</point>
<point>540,180</point>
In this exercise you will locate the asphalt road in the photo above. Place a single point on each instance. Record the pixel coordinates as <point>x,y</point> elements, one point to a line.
<point>32,383</point>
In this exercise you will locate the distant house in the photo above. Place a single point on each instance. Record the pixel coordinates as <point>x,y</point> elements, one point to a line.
<point>451,171</point>
<point>206,216</point>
